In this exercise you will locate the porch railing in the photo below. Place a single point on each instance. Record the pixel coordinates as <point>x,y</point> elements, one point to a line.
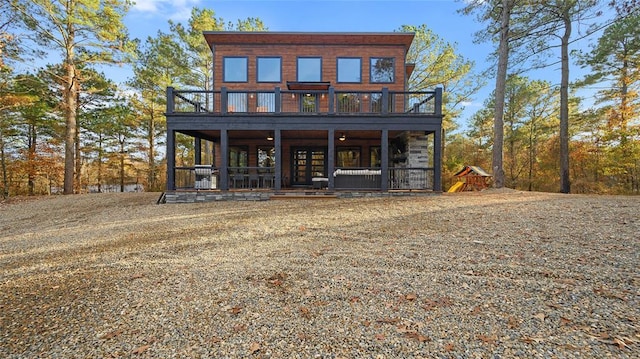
<point>230,102</point>
<point>411,178</point>
<point>208,177</point>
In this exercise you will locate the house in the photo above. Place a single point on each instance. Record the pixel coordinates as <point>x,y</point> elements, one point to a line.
<point>293,110</point>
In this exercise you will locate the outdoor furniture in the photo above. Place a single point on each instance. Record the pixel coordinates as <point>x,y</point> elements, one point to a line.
<point>320,182</point>
<point>357,178</point>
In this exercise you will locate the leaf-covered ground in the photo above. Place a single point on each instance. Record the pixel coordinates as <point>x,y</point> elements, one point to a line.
<point>470,275</point>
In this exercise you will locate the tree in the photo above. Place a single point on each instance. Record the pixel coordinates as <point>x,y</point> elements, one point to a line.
<point>84,32</point>
<point>615,61</point>
<point>180,59</point>
<point>438,64</point>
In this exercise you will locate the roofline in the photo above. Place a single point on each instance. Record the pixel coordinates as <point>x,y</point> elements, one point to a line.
<point>214,38</point>
<point>310,33</point>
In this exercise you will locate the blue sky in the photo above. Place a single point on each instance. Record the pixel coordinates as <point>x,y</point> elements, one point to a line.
<point>148,16</point>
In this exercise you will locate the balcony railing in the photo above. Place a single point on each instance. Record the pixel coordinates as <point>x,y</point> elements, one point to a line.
<point>231,102</point>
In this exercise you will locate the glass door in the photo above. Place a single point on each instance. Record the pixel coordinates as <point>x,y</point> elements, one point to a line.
<point>307,163</point>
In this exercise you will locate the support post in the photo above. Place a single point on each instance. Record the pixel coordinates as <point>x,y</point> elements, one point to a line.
<point>197,148</point>
<point>437,160</point>
<point>331,154</point>
<point>224,160</point>
<point>277,143</point>
<point>171,159</point>
<point>384,160</point>
<point>385,100</point>
<point>170,100</point>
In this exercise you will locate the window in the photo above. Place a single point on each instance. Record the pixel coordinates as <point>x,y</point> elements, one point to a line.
<point>237,102</point>
<point>349,70</point>
<point>238,156</point>
<point>375,159</point>
<point>266,157</point>
<point>382,69</point>
<point>269,69</point>
<point>348,157</point>
<point>309,69</point>
<point>235,69</point>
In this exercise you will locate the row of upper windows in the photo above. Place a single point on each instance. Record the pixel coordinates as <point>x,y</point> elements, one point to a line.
<point>349,69</point>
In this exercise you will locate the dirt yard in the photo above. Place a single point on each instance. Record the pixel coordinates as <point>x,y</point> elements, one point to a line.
<point>469,275</point>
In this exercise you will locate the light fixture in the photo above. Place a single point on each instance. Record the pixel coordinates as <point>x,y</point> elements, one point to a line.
<point>270,137</point>
<point>342,137</point>
<point>251,95</point>
<point>293,95</point>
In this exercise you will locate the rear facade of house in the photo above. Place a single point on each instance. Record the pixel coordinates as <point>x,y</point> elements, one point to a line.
<point>324,111</point>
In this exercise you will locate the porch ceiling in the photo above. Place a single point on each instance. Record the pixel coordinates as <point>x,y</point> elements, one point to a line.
<point>295,134</point>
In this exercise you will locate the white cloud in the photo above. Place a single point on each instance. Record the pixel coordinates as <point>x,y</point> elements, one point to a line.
<point>145,5</point>
<point>171,9</point>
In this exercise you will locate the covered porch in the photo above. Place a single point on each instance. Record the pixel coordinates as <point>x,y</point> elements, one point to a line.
<point>338,158</point>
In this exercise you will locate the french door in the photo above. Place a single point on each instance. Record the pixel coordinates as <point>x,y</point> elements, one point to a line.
<point>306,163</point>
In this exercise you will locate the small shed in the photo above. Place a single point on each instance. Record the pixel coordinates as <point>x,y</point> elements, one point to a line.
<point>471,178</point>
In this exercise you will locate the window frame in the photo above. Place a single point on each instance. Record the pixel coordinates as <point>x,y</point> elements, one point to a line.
<point>338,70</point>
<point>308,58</point>
<point>224,69</point>
<point>269,58</point>
<point>371,67</point>
<point>356,149</point>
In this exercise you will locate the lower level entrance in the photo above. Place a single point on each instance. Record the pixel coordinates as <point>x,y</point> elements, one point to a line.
<point>306,163</point>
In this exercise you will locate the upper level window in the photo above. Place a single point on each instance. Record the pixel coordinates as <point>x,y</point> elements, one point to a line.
<point>382,69</point>
<point>269,69</point>
<point>309,69</point>
<point>235,69</point>
<point>349,70</point>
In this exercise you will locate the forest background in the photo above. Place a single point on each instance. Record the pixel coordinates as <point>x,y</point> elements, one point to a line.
<point>68,125</point>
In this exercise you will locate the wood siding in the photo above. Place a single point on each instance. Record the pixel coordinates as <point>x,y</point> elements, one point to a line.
<point>328,53</point>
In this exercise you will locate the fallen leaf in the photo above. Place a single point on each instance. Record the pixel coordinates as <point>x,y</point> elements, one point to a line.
<point>488,339</point>
<point>531,340</point>
<point>235,310</point>
<point>112,334</point>
<point>254,348</point>
<point>449,347</point>
<point>564,321</point>
<point>540,316</point>
<point>512,323</point>
<point>411,296</point>
<point>141,349</point>
<point>239,328</point>
<point>388,320</point>
<point>305,312</point>
<point>136,276</point>
<point>621,343</point>
<point>380,336</point>
<point>476,310</point>
<point>417,336</point>
<point>354,299</point>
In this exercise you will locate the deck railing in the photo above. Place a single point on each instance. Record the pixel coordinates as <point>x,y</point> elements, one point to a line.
<point>207,177</point>
<point>411,178</point>
<point>331,101</point>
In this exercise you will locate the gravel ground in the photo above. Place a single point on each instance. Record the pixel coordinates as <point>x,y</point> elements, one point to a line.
<point>496,274</point>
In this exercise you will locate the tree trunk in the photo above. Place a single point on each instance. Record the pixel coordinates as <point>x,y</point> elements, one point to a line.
<point>565,185</point>
<point>501,79</point>
<point>5,180</point>
<point>70,99</point>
